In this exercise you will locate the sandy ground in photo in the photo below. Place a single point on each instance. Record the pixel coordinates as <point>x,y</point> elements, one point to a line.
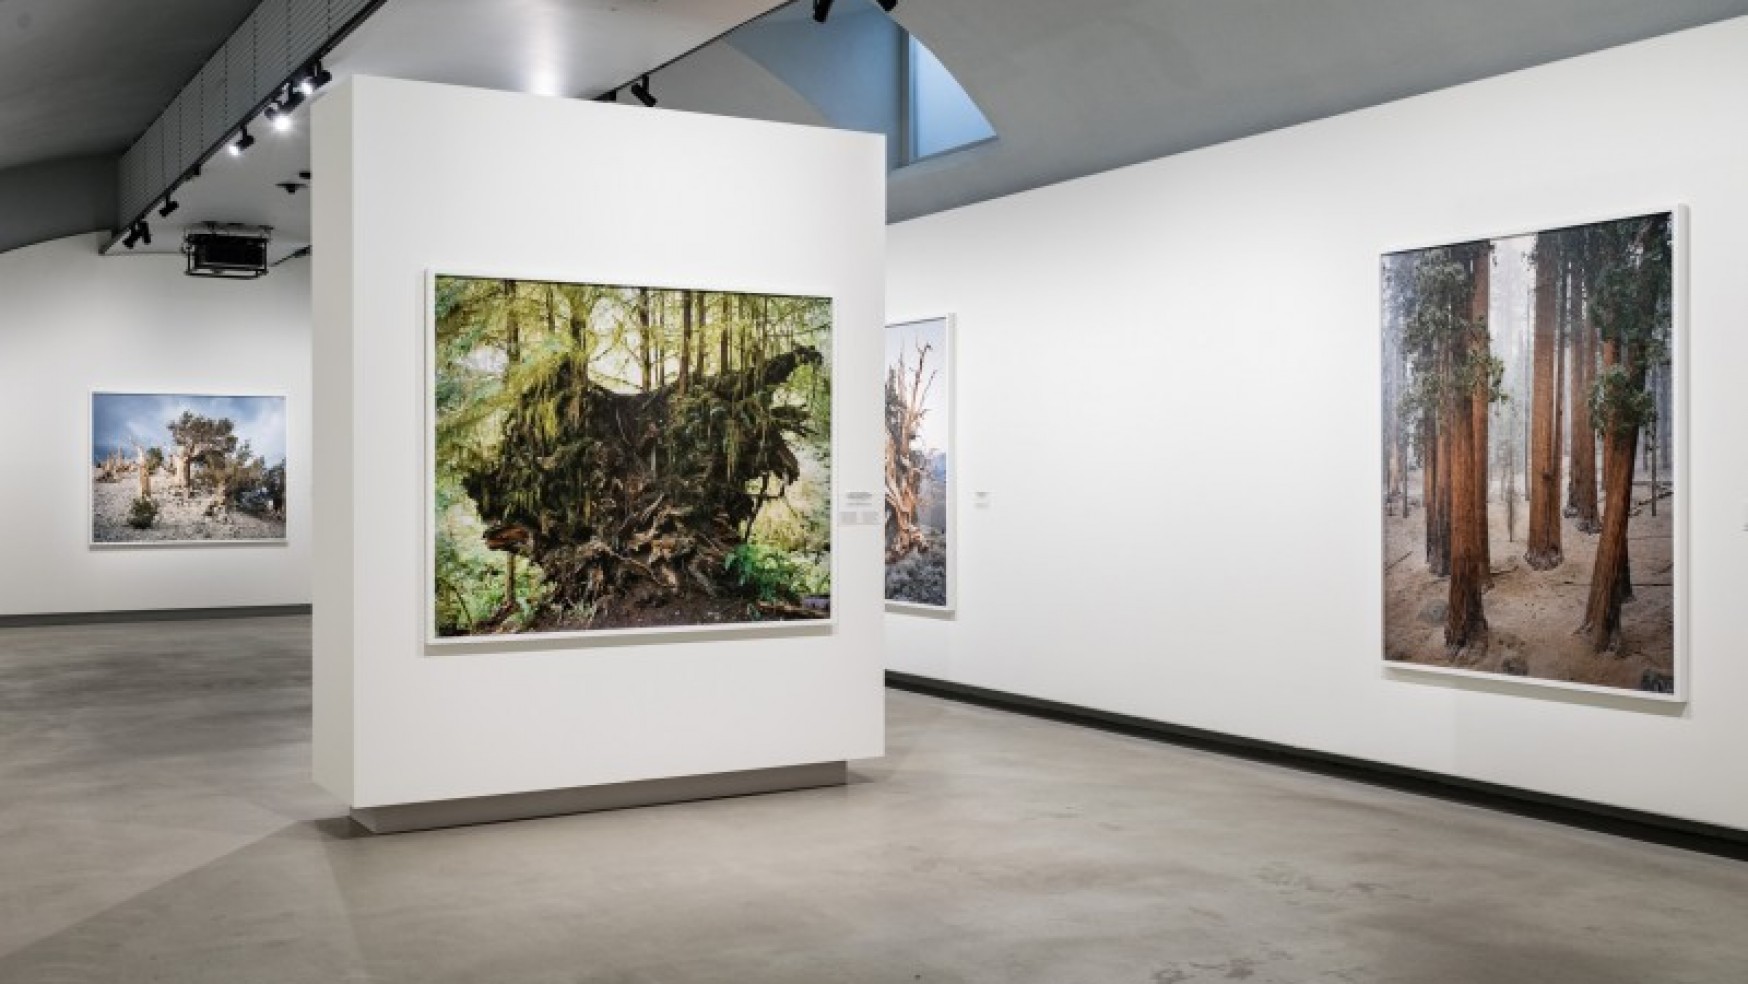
<point>1533,616</point>
<point>179,518</point>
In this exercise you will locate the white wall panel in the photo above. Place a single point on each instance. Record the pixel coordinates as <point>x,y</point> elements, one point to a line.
<point>71,322</point>
<point>416,177</point>
<point>1168,380</point>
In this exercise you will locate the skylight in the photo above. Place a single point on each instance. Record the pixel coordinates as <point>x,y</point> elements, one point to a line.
<point>942,117</point>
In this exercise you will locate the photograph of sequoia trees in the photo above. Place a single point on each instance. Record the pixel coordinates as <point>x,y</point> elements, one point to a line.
<point>1529,456</point>
<point>918,464</point>
<point>177,469</point>
<point>628,457</point>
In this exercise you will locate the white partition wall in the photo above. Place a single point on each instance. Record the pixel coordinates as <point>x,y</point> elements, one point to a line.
<point>414,177</point>
<point>1167,383</point>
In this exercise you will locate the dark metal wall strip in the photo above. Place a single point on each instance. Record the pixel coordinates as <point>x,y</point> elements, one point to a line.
<point>278,38</point>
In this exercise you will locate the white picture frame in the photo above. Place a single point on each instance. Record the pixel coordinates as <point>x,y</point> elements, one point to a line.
<point>436,644</point>
<point>181,400</point>
<point>901,337</point>
<point>1679,498</point>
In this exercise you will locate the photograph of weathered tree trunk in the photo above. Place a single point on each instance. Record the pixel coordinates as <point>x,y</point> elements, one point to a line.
<point>612,458</point>
<point>919,427</point>
<point>177,469</point>
<point>1529,456</point>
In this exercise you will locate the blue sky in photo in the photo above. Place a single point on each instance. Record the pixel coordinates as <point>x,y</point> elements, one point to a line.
<point>902,340</point>
<point>120,419</point>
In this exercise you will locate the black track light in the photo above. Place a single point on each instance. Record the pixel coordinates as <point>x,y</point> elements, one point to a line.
<point>132,237</point>
<point>640,89</point>
<point>145,232</point>
<point>887,5</point>
<point>242,143</point>
<point>821,10</point>
<point>610,96</point>
<point>314,77</point>
<point>170,205</point>
<point>292,99</point>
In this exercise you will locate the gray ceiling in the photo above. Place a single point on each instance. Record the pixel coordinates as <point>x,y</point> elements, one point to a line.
<point>1077,88</point>
<point>85,77</point>
<point>1072,88</point>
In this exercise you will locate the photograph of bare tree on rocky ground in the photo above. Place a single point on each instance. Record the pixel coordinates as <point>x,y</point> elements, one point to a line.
<point>919,427</point>
<point>1529,456</point>
<point>179,469</point>
<point>610,458</point>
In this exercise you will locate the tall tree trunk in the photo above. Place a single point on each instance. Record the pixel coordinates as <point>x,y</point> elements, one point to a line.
<point>685,343</point>
<point>644,349</point>
<point>1438,543</point>
<point>1610,581</point>
<point>1439,540</point>
<point>1466,386</point>
<point>1481,354</point>
<point>1583,498</point>
<point>512,327</point>
<point>1543,550</point>
<point>722,338</point>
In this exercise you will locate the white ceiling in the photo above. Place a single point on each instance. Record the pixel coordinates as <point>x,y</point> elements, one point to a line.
<point>561,48</point>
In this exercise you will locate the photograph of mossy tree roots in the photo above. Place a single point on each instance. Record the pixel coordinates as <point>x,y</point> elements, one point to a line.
<point>611,458</point>
<point>1528,456</point>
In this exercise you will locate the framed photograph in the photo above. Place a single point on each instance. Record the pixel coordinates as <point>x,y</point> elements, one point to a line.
<point>609,459</point>
<point>1533,457</point>
<point>920,518</point>
<point>179,469</point>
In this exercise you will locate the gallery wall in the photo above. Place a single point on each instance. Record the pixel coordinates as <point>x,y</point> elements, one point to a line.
<point>1168,389</point>
<point>75,322</point>
<point>422,178</point>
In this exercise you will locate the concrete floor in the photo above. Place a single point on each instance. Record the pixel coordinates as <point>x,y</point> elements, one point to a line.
<point>157,824</point>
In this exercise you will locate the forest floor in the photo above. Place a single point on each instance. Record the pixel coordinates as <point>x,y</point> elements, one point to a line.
<point>180,518</point>
<point>1532,615</point>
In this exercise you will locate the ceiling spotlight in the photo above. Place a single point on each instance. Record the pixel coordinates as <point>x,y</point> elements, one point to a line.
<point>610,96</point>
<point>821,10</point>
<point>132,237</point>
<point>145,230</point>
<point>640,89</point>
<point>887,5</point>
<point>292,99</point>
<point>170,205</point>
<point>314,78</point>
<point>242,143</point>
<point>280,118</point>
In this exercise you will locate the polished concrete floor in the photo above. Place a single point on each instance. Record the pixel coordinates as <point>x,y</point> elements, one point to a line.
<point>156,824</point>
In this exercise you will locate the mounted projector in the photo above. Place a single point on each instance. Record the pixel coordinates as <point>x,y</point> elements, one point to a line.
<point>228,252</point>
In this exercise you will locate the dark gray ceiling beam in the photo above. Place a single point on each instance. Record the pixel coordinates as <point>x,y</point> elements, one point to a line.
<point>276,42</point>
